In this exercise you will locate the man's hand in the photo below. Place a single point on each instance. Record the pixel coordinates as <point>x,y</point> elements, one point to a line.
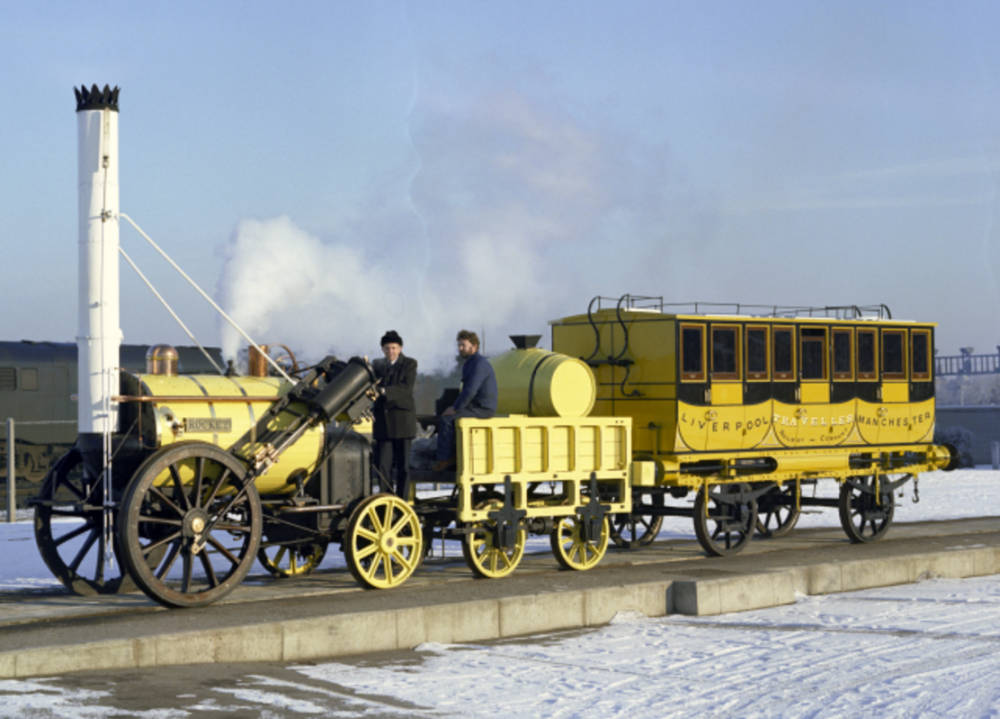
<point>448,412</point>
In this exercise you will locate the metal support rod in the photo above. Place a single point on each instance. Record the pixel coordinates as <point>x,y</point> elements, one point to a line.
<point>205,296</point>
<point>11,476</point>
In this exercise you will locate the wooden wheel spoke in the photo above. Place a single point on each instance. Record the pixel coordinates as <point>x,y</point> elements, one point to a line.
<point>206,564</point>
<point>387,562</point>
<point>151,547</point>
<point>145,518</point>
<point>87,545</point>
<point>186,575</point>
<point>166,500</point>
<point>372,571</point>
<point>75,533</point>
<point>377,525</point>
<point>216,487</point>
<point>366,533</point>
<point>168,563</point>
<point>223,550</point>
<point>175,477</point>
<point>365,551</point>
<point>199,476</point>
<point>400,524</point>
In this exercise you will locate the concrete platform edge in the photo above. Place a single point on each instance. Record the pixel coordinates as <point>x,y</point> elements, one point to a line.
<point>346,634</point>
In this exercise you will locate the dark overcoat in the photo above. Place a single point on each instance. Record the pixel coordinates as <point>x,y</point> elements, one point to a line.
<point>395,412</point>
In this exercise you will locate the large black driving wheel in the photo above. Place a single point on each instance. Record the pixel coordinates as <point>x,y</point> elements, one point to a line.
<point>69,530</point>
<point>778,511</point>
<point>866,508</point>
<point>189,501</point>
<point>724,520</point>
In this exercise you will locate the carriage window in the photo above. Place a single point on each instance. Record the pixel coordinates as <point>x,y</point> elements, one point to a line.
<point>725,353</point>
<point>692,352</point>
<point>920,352</point>
<point>813,352</point>
<point>843,355</point>
<point>867,361</point>
<point>783,356</point>
<point>8,379</point>
<point>893,354</point>
<point>756,345</point>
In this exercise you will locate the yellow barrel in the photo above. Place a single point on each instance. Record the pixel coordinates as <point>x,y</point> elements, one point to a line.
<point>219,410</point>
<point>543,384</point>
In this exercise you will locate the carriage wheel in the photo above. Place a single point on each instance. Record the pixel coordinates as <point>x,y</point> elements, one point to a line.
<point>629,531</point>
<point>291,560</point>
<point>725,520</point>
<point>862,516</point>
<point>384,542</point>
<point>74,551</point>
<point>189,501</point>
<point>485,559</point>
<point>572,550</point>
<point>777,511</point>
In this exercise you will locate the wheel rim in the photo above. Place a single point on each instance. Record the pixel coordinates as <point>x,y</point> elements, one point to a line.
<point>722,526</point>
<point>777,512</point>
<point>571,550</point>
<point>384,542</point>
<point>296,560</point>
<point>75,551</point>
<point>189,502</point>
<point>629,531</point>
<point>862,517</point>
<point>483,557</point>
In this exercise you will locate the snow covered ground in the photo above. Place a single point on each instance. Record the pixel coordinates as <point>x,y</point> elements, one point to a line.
<point>924,650</point>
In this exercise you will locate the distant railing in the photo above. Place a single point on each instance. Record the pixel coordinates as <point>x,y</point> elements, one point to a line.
<point>12,453</point>
<point>967,363</point>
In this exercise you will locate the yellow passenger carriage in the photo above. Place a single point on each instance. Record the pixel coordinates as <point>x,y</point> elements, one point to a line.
<point>745,404</point>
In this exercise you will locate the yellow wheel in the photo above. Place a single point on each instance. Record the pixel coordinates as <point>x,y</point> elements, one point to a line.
<point>483,558</point>
<point>383,543</point>
<point>570,548</point>
<point>291,561</point>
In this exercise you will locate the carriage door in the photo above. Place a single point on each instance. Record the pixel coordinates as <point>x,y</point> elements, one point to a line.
<point>894,412</point>
<point>726,387</point>
<point>868,389</point>
<point>757,409</point>
<point>814,381</point>
<point>921,385</point>
<point>693,394</point>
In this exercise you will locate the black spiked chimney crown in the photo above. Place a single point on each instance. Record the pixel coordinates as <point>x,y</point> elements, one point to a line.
<point>96,98</point>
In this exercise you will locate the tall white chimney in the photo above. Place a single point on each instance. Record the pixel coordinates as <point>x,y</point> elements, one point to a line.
<point>99,334</point>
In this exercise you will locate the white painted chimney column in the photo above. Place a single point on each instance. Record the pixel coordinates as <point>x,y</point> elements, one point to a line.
<point>99,333</point>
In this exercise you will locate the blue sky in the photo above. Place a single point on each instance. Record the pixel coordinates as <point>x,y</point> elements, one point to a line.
<point>333,170</point>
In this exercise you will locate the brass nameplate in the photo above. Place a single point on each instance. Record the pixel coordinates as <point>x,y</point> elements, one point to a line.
<point>208,424</point>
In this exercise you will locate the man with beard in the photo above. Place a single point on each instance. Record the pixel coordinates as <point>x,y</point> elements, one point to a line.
<point>478,398</point>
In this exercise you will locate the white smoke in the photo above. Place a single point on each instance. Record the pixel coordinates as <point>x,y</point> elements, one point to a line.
<point>516,213</point>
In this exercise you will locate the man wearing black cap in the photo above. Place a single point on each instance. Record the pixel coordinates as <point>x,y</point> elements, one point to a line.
<point>395,412</point>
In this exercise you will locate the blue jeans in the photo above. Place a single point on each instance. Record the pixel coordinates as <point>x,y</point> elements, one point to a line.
<point>446,429</point>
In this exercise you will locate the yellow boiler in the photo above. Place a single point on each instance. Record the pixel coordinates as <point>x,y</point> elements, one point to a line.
<point>540,383</point>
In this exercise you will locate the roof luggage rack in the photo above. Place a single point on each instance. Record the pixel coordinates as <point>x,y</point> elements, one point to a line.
<point>653,303</point>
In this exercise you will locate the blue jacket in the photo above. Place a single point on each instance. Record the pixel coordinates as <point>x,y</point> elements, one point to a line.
<point>479,385</point>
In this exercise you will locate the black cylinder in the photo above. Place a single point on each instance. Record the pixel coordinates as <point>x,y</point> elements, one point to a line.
<point>344,388</point>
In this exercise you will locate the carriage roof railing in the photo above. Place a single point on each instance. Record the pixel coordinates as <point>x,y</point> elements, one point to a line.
<point>650,303</point>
